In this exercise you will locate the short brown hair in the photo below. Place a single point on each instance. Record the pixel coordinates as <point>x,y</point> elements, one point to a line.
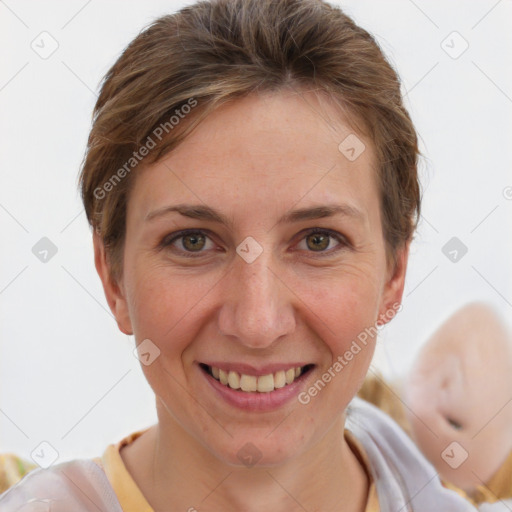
<point>220,50</point>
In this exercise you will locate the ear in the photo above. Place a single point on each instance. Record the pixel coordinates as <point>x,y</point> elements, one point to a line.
<point>114,292</point>
<point>391,302</point>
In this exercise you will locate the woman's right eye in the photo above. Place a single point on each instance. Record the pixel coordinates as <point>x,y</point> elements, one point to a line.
<point>187,243</point>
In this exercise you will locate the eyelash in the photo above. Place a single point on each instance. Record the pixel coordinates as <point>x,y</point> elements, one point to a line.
<point>170,239</point>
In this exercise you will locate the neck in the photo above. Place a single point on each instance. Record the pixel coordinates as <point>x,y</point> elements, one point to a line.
<point>170,467</point>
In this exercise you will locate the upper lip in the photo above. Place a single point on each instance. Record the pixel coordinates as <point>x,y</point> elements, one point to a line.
<point>256,371</point>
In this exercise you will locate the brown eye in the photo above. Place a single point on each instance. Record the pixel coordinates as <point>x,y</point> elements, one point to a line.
<point>319,241</point>
<point>454,424</point>
<point>193,242</point>
<point>187,243</point>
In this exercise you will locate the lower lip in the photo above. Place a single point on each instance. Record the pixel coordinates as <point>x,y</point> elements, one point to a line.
<point>256,401</point>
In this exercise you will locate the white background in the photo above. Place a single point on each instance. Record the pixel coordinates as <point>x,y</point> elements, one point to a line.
<point>67,375</point>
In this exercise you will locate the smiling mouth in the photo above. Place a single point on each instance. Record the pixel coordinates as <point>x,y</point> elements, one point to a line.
<point>256,384</point>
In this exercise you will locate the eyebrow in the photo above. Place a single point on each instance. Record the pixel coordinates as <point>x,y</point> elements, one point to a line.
<point>202,212</point>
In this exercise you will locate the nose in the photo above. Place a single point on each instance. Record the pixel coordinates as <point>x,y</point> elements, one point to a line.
<point>256,308</point>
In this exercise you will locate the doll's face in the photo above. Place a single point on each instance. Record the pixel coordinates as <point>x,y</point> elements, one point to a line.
<point>262,172</point>
<point>459,391</point>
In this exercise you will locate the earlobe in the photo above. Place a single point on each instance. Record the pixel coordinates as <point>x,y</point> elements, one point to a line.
<point>113,293</point>
<point>394,287</point>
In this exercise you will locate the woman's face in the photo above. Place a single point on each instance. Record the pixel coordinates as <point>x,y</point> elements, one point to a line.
<point>256,294</point>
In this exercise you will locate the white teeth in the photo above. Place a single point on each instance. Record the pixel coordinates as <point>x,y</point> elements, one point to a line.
<point>223,377</point>
<point>266,383</point>
<point>251,383</point>
<point>279,379</point>
<point>234,380</point>
<point>290,375</point>
<point>248,382</point>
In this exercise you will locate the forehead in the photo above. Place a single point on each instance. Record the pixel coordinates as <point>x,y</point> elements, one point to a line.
<point>278,149</point>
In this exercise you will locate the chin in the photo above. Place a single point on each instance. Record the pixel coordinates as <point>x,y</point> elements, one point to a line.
<point>249,450</point>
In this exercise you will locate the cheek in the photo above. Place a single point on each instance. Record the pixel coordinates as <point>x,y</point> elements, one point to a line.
<point>343,306</point>
<point>165,304</point>
<point>342,314</point>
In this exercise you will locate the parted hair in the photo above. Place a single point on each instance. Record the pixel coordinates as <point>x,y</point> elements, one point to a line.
<point>182,66</point>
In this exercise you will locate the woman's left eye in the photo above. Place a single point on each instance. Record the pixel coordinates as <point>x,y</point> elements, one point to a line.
<point>194,241</point>
<point>319,240</point>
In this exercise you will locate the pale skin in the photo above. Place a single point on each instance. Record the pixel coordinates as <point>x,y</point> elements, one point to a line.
<point>254,160</point>
<point>458,390</point>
